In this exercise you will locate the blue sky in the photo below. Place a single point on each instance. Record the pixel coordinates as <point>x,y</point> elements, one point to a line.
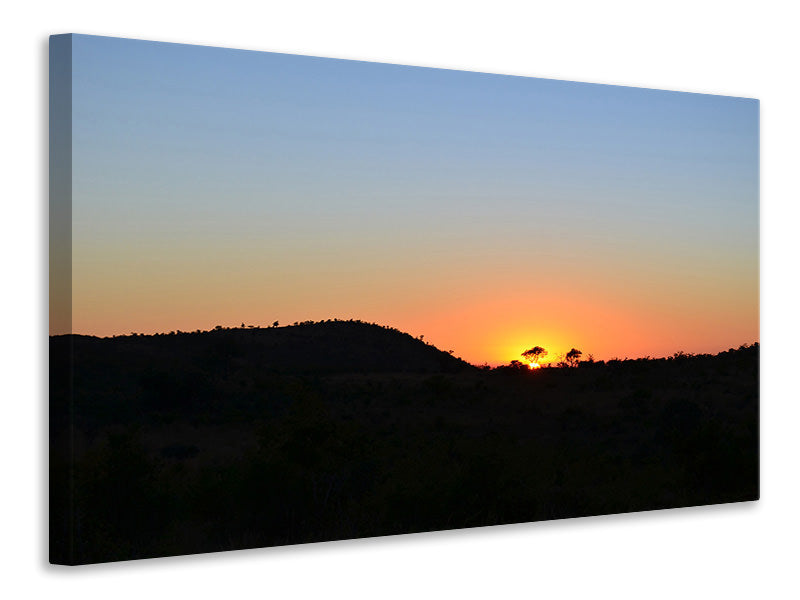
<point>246,160</point>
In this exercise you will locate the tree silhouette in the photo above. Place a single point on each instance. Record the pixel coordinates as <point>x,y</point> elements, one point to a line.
<point>534,354</point>
<point>574,357</point>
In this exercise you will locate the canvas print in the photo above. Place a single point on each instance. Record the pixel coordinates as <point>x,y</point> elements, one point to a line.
<point>299,299</point>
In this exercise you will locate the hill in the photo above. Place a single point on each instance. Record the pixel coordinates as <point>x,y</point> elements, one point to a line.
<point>323,347</point>
<point>184,443</point>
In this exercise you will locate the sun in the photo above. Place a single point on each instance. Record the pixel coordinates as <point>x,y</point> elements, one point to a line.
<point>533,366</point>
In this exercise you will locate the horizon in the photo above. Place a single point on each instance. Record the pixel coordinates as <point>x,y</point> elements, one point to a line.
<point>548,360</point>
<point>488,213</point>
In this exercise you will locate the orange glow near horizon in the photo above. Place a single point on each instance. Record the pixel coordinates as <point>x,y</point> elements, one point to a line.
<point>487,329</point>
<point>485,316</point>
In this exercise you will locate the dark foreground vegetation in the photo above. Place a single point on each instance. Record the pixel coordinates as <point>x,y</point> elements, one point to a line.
<point>241,438</point>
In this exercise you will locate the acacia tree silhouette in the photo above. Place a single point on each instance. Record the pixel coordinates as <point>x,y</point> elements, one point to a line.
<point>534,354</point>
<point>573,357</point>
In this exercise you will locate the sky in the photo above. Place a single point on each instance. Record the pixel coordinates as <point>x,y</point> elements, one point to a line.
<point>488,213</point>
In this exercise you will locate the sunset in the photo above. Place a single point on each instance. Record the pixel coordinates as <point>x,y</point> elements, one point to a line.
<point>298,299</point>
<point>485,212</point>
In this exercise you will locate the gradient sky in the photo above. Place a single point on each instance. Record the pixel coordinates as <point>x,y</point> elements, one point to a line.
<point>490,213</point>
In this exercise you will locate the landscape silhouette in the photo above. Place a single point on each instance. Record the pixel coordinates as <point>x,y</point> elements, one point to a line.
<point>246,437</point>
<point>487,239</point>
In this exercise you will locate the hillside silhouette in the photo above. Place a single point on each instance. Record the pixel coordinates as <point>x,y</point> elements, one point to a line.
<point>312,347</point>
<point>239,438</point>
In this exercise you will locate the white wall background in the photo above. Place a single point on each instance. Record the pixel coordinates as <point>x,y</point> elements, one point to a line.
<point>734,48</point>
